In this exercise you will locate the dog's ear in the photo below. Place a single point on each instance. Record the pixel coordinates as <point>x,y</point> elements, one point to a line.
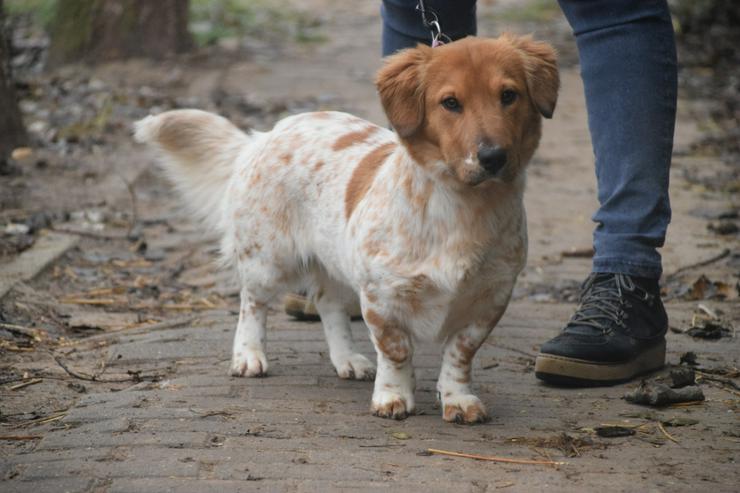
<point>400,84</point>
<point>541,66</point>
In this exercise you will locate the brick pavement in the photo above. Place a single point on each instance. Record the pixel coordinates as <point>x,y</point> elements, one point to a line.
<point>303,429</point>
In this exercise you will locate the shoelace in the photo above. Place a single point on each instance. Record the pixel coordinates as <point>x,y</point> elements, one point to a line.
<point>602,301</point>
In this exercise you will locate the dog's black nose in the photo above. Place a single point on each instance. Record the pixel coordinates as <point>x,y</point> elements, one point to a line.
<point>492,158</point>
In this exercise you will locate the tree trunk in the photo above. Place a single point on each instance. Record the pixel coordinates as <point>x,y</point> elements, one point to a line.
<point>12,131</point>
<point>102,30</point>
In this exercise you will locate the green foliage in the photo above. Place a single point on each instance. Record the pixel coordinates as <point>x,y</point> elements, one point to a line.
<point>41,11</point>
<point>211,20</point>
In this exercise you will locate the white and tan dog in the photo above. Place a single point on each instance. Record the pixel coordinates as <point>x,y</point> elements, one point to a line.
<point>426,225</point>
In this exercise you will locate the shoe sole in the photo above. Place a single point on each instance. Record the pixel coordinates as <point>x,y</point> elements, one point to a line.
<point>572,372</point>
<point>301,309</point>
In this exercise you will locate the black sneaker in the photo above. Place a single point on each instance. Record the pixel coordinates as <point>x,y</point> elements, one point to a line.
<point>617,333</point>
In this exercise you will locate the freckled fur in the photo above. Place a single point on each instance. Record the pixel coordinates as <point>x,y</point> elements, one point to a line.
<point>408,221</point>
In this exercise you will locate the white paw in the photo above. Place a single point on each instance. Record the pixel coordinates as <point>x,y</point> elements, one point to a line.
<point>387,404</point>
<point>354,366</point>
<point>463,409</point>
<point>248,363</point>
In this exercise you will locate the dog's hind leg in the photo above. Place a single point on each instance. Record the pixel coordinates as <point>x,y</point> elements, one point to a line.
<point>249,359</point>
<point>332,307</point>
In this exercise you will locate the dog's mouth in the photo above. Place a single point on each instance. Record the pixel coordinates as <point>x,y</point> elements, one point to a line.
<point>473,174</point>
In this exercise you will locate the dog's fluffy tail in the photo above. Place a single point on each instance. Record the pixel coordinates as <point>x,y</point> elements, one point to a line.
<point>197,151</point>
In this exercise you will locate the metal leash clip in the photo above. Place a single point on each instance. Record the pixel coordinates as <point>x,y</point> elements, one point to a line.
<point>431,21</point>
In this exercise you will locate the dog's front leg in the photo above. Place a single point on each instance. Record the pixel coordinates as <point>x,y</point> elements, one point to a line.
<point>249,359</point>
<point>393,395</point>
<point>459,405</point>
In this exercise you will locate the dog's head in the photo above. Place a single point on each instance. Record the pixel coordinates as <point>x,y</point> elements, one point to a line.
<point>472,108</point>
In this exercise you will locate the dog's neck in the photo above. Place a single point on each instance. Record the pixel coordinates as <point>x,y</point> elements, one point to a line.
<point>438,205</point>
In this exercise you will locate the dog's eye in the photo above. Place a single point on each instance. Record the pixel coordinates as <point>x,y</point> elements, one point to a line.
<point>508,97</point>
<point>452,104</point>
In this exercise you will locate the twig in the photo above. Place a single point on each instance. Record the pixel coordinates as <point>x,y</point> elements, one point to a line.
<point>44,419</point>
<point>133,376</point>
<point>726,381</point>
<point>19,386</point>
<point>88,234</point>
<point>662,430</point>
<point>89,301</point>
<point>166,324</point>
<point>686,404</point>
<point>20,330</point>
<point>21,437</point>
<point>494,458</point>
<point>134,208</point>
<point>703,263</point>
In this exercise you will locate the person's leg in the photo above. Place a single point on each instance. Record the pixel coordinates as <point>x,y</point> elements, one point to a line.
<point>628,64</point>
<point>403,27</point>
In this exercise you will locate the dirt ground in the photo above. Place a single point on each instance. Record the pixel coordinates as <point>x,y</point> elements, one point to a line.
<point>115,323</point>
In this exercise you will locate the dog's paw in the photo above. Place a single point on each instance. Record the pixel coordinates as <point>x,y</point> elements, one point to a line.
<point>355,367</point>
<point>391,405</point>
<point>248,363</point>
<point>463,409</point>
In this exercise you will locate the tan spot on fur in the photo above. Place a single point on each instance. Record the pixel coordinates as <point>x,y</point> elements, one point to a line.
<point>363,175</point>
<point>475,413</point>
<point>392,341</point>
<point>250,250</point>
<point>286,158</point>
<point>354,138</point>
<point>371,297</point>
<point>318,165</point>
<point>395,409</point>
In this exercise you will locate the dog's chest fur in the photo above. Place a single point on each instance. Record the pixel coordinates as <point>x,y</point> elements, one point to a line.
<point>344,195</point>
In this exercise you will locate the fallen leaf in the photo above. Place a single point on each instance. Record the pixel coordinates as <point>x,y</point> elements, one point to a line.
<point>613,431</point>
<point>679,422</point>
<point>400,435</point>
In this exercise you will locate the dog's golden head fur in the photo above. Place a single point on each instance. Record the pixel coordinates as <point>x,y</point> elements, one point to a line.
<point>473,106</point>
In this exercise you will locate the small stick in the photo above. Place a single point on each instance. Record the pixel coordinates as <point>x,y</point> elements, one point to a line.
<point>703,263</point>
<point>21,437</point>
<point>494,458</point>
<point>19,386</point>
<point>96,378</point>
<point>43,419</point>
<point>88,234</point>
<point>686,404</point>
<point>166,324</point>
<point>667,435</point>
<point>88,301</point>
<point>20,330</point>
<point>726,381</point>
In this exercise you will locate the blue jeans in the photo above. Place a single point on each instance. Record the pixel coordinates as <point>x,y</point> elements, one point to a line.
<point>628,64</point>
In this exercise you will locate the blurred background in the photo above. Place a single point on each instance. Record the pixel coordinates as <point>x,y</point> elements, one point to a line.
<point>74,75</point>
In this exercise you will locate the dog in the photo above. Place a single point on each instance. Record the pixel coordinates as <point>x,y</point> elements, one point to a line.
<point>425,224</point>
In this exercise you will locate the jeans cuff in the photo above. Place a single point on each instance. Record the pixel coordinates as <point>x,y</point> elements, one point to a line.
<point>621,266</point>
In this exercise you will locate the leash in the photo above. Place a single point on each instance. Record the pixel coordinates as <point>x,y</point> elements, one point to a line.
<point>431,21</point>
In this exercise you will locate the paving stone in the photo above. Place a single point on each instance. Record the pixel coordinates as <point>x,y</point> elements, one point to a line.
<point>188,486</point>
<point>58,485</point>
<point>132,463</point>
<point>71,439</point>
